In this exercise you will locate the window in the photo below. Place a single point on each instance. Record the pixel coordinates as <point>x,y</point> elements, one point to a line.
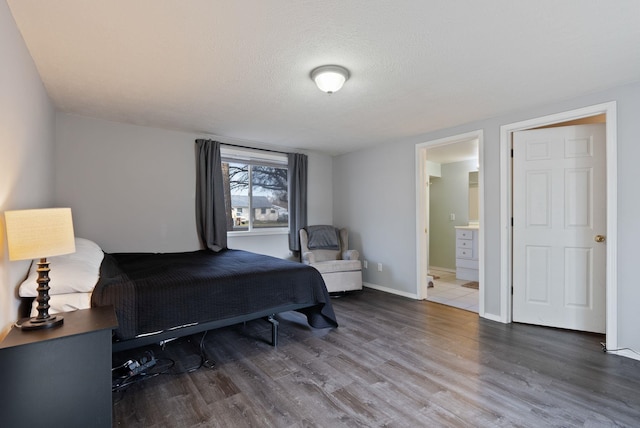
<point>256,190</point>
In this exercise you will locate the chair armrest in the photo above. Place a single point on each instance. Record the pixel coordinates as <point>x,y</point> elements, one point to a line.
<point>351,255</point>
<point>308,258</point>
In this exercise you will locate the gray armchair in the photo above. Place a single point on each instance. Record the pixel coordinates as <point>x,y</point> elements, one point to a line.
<point>326,249</point>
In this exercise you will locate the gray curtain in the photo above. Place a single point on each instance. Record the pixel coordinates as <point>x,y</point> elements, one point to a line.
<point>211,220</point>
<point>297,198</point>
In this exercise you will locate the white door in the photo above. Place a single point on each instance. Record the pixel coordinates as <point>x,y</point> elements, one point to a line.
<point>559,214</point>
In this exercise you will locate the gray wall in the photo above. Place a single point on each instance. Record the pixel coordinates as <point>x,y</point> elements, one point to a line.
<point>26,150</point>
<point>448,194</point>
<point>374,194</point>
<point>132,188</point>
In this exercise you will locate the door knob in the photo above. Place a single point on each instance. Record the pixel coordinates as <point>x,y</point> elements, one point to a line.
<point>599,238</point>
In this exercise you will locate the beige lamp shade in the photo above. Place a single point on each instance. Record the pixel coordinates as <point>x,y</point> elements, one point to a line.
<point>40,233</point>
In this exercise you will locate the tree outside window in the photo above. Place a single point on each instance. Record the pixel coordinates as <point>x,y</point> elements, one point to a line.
<point>256,196</point>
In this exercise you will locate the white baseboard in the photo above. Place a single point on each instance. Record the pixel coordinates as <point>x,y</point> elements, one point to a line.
<point>626,353</point>
<point>492,317</point>
<point>391,290</point>
<point>442,269</point>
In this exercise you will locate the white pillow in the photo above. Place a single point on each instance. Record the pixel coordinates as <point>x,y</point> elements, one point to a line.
<point>65,303</point>
<point>71,273</point>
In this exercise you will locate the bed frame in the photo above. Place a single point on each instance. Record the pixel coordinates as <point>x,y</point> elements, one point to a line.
<point>269,314</point>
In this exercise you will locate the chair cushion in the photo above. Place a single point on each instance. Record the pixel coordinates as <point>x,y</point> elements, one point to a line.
<point>337,266</point>
<point>325,255</point>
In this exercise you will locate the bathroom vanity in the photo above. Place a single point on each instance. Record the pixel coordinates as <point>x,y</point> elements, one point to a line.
<point>467,253</point>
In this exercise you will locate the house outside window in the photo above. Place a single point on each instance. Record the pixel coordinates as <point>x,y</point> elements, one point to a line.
<point>256,191</point>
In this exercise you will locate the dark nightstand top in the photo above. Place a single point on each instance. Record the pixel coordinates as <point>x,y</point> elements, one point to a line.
<point>76,322</point>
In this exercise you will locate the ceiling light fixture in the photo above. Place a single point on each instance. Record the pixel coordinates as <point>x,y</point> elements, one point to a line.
<point>329,78</point>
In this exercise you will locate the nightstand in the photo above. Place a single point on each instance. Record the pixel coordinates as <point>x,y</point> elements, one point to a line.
<point>59,377</point>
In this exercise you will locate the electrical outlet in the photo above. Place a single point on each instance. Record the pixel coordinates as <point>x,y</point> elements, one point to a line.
<point>366,264</point>
<point>379,267</point>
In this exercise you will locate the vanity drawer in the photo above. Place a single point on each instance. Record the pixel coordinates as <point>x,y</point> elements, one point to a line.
<point>464,253</point>
<point>466,264</point>
<point>464,234</point>
<point>464,243</point>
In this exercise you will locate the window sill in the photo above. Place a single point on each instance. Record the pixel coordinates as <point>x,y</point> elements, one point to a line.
<point>258,233</point>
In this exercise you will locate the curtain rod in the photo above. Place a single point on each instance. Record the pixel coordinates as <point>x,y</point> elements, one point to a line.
<point>252,148</point>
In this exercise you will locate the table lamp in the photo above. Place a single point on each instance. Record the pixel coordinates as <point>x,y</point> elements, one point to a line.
<point>38,234</point>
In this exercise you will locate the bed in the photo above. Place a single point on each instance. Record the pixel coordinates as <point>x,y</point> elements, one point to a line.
<point>159,296</point>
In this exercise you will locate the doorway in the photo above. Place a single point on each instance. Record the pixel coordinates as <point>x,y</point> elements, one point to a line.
<point>507,273</point>
<point>430,157</point>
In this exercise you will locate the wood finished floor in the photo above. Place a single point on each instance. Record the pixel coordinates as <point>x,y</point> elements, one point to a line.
<point>392,362</point>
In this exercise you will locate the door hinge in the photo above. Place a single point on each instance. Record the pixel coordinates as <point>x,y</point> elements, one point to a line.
<point>511,221</point>
<point>511,152</point>
<point>512,290</point>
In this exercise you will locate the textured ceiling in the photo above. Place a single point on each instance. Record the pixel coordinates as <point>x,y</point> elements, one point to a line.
<point>240,69</point>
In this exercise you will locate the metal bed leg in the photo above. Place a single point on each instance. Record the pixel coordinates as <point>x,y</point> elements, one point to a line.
<point>274,329</point>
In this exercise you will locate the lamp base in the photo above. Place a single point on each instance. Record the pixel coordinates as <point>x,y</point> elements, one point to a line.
<point>40,323</point>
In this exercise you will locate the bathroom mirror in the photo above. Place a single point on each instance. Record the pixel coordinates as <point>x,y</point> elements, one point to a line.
<point>473,197</point>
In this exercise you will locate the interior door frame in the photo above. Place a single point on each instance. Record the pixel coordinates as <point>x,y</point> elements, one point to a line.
<point>422,247</point>
<point>506,212</point>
